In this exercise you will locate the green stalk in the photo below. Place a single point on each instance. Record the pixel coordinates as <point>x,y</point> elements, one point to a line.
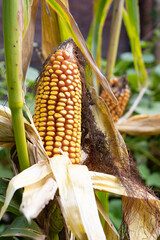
<point>12,30</point>
<point>114,37</point>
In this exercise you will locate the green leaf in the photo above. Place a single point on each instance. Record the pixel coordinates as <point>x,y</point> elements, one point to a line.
<point>103,197</point>
<point>131,20</point>
<point>16,200</point>
<point>127,57</point>
<point>5,171</point>
<point>144,44</point>
<point>148,58</point>
<point>133,11</point>
<point>94,41</point>
<point>26,14</point>
<point>20,227</point>
<point>101,8</point>
<point>154,180</point>
<point>114,37</point>
<point>32,74</point>
<point>56,219</point>
<point>144,171</point>
<point>157,70</point>
<point>132,78</point>
<point>75,33</point>
<point>146,106</point>
<point>115,212</point>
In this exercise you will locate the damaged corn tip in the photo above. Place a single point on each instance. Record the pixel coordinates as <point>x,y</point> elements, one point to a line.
<point>57,114</point>
<point>121,90</point>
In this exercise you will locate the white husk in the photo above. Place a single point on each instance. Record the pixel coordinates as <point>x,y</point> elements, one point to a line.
<point>107,183</point>
<point>29,176</point>
<point>6,130</point>
<point>77,196</point>
<point>36,196</point>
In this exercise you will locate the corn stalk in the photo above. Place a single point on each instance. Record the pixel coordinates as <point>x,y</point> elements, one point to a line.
<point>12,28</point>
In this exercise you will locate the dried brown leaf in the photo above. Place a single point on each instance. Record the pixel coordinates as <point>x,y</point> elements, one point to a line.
<point>141,208</point>
<point>141,125</point>
<point>27,43</point>
<point>50,30</point>
<point>117,147</point>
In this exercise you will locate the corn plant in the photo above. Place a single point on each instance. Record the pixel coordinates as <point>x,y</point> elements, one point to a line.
<point>70,154</point>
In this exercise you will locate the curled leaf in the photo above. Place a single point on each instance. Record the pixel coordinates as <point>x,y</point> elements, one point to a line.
<point>141,125</point>
<point>29,176</point>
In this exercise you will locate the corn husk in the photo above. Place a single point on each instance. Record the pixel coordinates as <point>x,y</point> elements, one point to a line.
<point>141,125</point>
<point>38,194</point>
<point>77,196</point>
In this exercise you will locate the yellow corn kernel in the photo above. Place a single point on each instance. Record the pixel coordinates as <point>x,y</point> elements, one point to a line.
<point>58,106</point>
<point>121,90</point>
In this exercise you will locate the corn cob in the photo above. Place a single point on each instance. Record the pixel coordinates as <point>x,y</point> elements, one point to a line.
<point>57,115</point>
<point>121,91</point>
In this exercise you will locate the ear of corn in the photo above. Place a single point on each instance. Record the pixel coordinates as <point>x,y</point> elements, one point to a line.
<point>57,115</point>
<point>121,90</point>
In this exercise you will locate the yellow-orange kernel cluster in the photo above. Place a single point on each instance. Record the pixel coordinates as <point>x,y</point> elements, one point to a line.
<point>57,115</point>
<point>122,94</point>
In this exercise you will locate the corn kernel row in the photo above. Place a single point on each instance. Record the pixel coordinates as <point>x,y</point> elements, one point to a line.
<point>122,95</point>
<point>57,115</point>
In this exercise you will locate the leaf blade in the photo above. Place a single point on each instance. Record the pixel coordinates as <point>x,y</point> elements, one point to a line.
<point>75,33</point>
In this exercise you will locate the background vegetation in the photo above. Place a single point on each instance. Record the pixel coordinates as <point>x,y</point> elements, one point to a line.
<point>144,73</point>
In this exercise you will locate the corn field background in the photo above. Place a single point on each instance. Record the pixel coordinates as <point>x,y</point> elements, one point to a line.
<point>139,125</point>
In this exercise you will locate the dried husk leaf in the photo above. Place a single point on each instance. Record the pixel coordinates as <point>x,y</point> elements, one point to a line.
<point>50,31</point>
<point>6,130</point>
<point>117,147</point>
<point>27,43</point>
<point>143,216</point>
<point>107,183</point>
<point>33,135</point>
<point>36,196</point>
<point>76,184</point>
<point>7,135</point>
<point>141,125</point>
<point>29,176</point>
